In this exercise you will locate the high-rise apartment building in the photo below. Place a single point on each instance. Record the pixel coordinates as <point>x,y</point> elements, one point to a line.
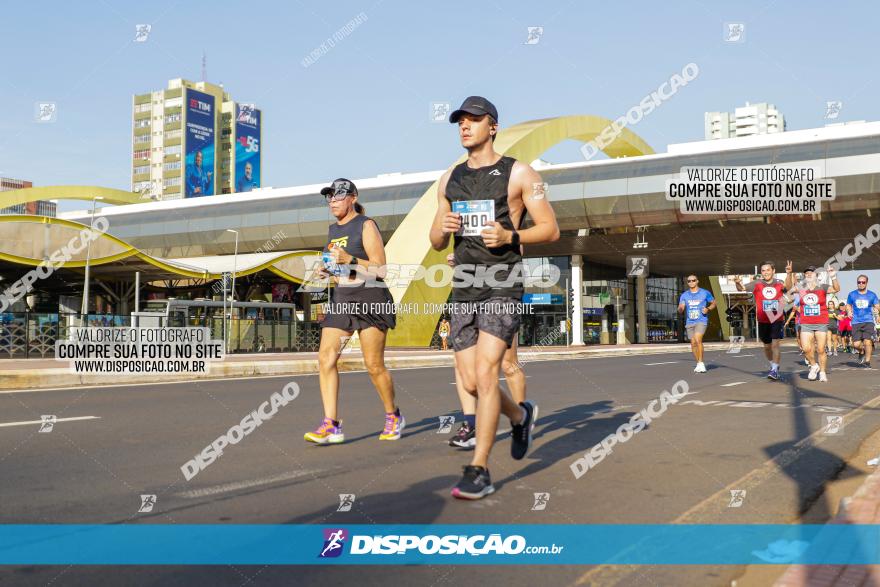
<point>191,140</point>
<point>745,121</point>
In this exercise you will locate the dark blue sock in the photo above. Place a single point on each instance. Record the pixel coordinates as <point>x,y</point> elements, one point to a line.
<point>471,420</point>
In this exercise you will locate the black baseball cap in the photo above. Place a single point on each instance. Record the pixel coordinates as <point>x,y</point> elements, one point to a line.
<point>476,105</point>
<point>810,268</point>
<point>340,186</point>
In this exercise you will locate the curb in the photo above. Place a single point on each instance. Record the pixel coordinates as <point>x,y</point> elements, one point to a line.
<point>862,508</point>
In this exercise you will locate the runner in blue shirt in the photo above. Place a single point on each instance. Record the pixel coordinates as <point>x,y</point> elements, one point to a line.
<point>696,303</point>
<point>861,304</point>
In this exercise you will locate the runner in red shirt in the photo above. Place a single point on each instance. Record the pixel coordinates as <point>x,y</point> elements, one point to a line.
<point>769,309</point>
<point>814,318</point>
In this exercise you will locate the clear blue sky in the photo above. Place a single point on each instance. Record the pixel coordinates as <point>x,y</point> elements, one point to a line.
<point>362,109</point>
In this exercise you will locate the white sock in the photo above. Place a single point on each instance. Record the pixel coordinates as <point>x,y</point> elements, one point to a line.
<point>774,365</point>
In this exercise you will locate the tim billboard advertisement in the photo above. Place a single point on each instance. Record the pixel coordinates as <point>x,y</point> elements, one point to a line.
<point>199,144</point>
<point>247,148</point>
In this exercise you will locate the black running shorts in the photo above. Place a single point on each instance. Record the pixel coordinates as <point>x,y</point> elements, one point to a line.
<point>770,331</point>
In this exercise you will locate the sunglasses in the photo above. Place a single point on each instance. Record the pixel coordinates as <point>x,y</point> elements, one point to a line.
<point>336,197</point>
<point>862,282</point>
<point>692,280</point>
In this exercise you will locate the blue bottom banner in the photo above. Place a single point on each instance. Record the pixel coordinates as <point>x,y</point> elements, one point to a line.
<point>662,544</point>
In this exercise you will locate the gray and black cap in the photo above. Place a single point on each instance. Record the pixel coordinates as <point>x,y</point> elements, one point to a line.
<point>340,186</point>
<point>476,105</point>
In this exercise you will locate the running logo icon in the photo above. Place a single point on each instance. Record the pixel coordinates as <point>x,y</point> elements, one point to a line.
<point>534,35</point>
<point>45,112</point>
<point>736,344</point>
<point>833,425</point>
<point>446,423</point>
<point>737,497</point>
<point>439,111</point>
<point>48,423</point>
<point>734,32</point>
<point>346,501</point>
<point>334,542</point>
<point>637,266</point>
<point>147,503</point>
<point>832,109</point>
<point>539,190</point>
<point>541,500</point>
<point>142,32</point>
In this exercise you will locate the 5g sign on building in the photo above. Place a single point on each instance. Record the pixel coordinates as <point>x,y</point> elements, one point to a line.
<point>247,147</point>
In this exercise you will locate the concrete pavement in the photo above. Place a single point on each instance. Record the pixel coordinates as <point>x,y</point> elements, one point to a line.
<point>736,431</point>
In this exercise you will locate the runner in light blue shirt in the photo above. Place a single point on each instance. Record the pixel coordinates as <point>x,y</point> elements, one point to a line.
<point>696,303</point>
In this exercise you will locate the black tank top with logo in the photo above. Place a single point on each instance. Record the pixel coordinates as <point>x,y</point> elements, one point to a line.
<point>480,195</point>
<point>350,236</point>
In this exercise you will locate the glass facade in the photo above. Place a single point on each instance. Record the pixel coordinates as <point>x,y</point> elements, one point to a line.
<point>543,327</point>
<point>605,295</point>
<point>664,322</point>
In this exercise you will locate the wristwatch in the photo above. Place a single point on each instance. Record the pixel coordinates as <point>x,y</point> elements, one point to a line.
<point>514,238</point>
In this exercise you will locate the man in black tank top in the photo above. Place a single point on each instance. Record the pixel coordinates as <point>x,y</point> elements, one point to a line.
<point>482,202</point>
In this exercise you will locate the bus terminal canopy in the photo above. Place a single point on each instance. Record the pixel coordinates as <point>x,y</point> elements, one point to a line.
<point>29,240</point>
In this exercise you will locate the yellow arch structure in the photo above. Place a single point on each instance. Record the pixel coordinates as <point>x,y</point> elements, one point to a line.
<point>128,250</point>
<point>409,245</point>
<point>70,192</point>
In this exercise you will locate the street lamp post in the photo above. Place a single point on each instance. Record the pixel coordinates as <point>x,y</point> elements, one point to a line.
<point>234,269</point>
<point>85,300</point>
<point>620,324</point>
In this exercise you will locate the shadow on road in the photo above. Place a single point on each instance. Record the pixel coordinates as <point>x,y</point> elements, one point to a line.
<point>420,503</point>
<point>811,468</point>
<point>585,428</point>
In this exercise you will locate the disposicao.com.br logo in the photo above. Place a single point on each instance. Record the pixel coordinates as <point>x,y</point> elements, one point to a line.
<point>450,544</point>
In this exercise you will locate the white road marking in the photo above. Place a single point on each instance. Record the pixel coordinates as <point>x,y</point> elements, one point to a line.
<point>789,352</point>
<point>499,379</point>
<point>58,421</point>
<point>732,384</point>
<point>227,487</point>
<point>663,363</point>
<point>743,356</point>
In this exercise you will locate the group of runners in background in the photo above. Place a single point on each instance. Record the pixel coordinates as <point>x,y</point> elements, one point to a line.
<point>823,326</point>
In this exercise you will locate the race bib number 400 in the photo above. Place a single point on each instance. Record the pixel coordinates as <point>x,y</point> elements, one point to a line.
<point>475,215</point>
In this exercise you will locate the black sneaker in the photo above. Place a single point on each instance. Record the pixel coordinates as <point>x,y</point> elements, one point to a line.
<point>474,484</point>
<point>466,437</point>
<point>867,364</point>
<point>521,434</point>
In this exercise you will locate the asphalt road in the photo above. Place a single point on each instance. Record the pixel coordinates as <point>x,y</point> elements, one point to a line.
<point>679,469</point>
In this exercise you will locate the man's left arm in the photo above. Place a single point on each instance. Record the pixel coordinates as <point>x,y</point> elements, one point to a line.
<point>711,305</point>
<point>528,183</point>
